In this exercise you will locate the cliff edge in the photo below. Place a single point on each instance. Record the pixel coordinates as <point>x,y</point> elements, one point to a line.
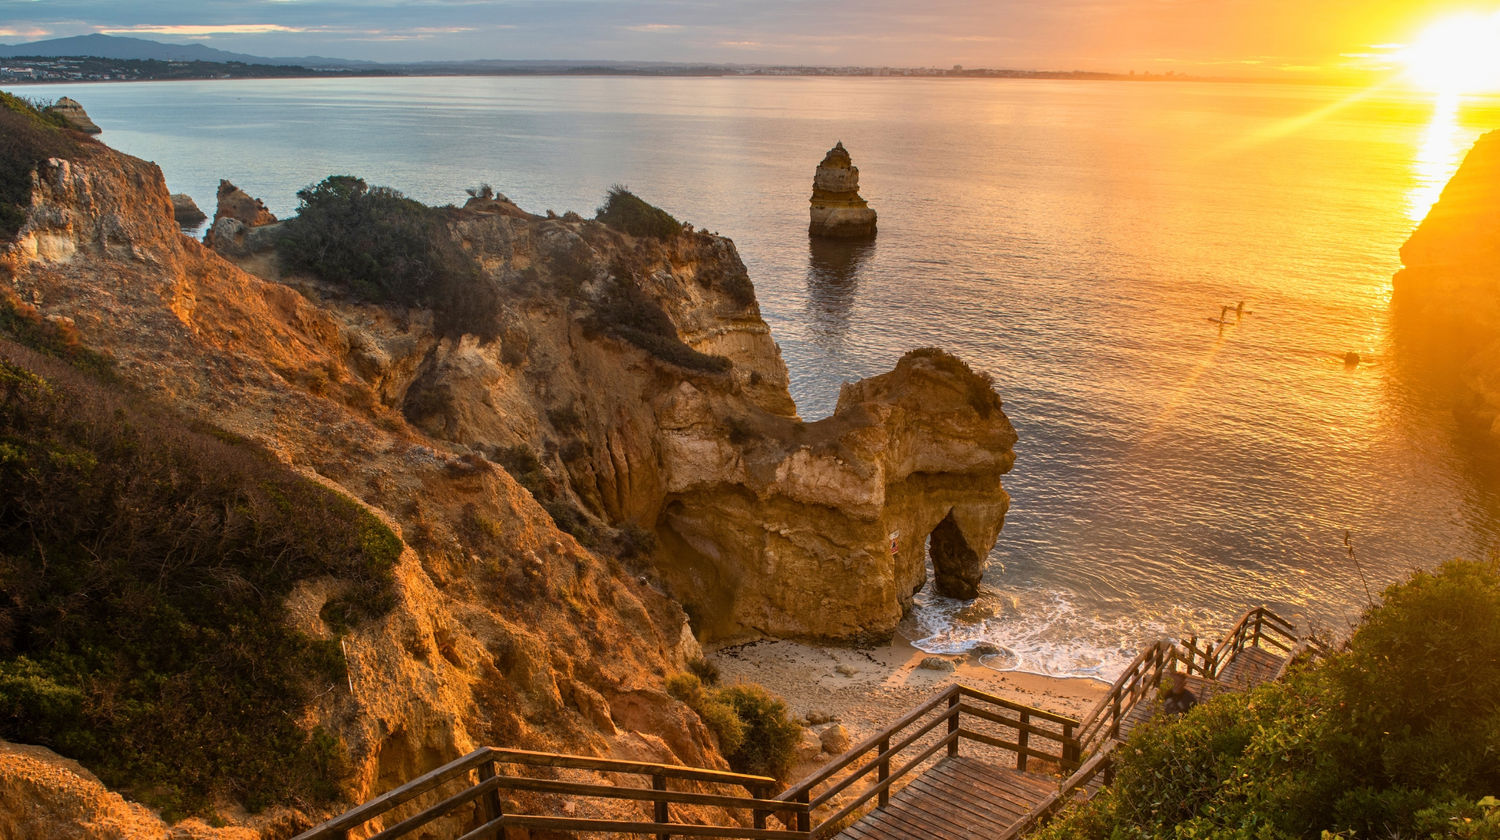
<point>1447,298</point>
<point>593,436</point>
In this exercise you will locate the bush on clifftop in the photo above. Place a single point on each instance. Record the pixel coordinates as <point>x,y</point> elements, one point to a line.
<point>144,566</point>
<point>1398,735</point>
<point>382,246</point>
<point>626,212</point>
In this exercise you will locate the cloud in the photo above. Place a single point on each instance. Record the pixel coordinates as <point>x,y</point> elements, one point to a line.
<point>24,32</point>
<point>740,44</point>
<point>655,27</point>
<point>201,30</point>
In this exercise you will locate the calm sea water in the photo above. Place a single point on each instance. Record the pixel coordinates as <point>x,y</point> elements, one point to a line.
<point>1071,238</point>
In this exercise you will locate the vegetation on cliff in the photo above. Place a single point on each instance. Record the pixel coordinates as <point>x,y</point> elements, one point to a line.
<point>27,137</point>
<point>1398,735</point>
<point>384,247</point>
<point>144,565</point>
<point>626,212</point>
<point>751,725</point>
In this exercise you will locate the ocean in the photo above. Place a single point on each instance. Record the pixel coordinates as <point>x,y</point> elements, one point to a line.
<point>1073,239</point>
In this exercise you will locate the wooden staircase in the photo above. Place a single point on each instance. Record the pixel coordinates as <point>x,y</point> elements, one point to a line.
<point>911,779</point>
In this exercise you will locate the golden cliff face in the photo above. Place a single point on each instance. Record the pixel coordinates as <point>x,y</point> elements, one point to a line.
<point>506,631</point>
<point>688,484</point>
<point>756,516</point>
<point>1447,298</point>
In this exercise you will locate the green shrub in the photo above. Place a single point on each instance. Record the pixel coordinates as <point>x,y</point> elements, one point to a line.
<point>770,744</point>
<point>626,312</point>
<point>1397,735</point>
<point>704,670</point>
<point>144,566</point>
<point>384,247</point>
<point>719,717</point>
<point>627,213</point>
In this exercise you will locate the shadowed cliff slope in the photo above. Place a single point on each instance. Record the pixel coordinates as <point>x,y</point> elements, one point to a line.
<point>1447,298</point>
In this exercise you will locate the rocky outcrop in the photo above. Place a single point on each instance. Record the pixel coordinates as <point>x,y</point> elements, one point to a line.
<point>236,220</point>
<point>72,111</point>
<point>186,211</point>
<point>1447,298</point>
<point>837,210</point>
<point>43,794</point>
<point>635,399</point>
<point>504,631</point>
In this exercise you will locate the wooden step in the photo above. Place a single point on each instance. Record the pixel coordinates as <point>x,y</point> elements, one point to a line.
<point>959,798</point>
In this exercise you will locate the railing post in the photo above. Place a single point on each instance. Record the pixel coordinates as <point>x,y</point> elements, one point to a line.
<point>1071,750</point>
<point>760,792</point>
<point>663,813</point>
<point>953,722</point>
<point>1023,740</point>
<point>804,817</point>
<point>1114,714</point>
<point>883,772</point>
<point>489,803</point>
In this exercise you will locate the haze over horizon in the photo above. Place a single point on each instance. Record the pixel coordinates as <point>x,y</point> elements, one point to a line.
<point>1312,38</point>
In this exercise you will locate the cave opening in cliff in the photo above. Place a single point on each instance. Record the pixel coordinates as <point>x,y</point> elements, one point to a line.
<point>955,566</point>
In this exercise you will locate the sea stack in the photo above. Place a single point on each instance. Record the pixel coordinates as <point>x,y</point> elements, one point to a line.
<point>72,111</point>
<point>837,210</point>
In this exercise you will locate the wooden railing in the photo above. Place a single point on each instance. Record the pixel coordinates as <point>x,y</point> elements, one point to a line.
<point>1099,764</point>
<point>871,769</point>
<point>823,802</point>
<point>1256,627</point>
<point>477,804</point>
<point>1139,679</point>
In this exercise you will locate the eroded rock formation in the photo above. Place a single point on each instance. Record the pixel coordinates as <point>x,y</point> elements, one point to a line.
<point>242,225</point>
<point>635,398</point>
<point>837,210</point>
<point>186,211</point>
<point>1447,298</point>
<point>72,111</point>
<point>504,631</point>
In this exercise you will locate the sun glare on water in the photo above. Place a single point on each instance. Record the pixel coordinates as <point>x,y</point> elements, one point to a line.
<point>1456,55</point>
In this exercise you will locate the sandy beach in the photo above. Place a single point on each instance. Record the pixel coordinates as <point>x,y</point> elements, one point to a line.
<point>867,688</point>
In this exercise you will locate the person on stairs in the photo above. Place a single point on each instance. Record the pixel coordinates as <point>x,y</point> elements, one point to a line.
<point>1178,699</point>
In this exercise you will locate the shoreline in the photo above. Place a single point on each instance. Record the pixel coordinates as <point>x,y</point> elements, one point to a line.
<point>868,688</point>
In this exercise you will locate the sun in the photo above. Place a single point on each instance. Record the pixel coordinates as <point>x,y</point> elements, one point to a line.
<point>1456,55</point>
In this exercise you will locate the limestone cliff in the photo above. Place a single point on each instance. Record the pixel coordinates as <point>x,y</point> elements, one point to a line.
<point>756,515</point>
<point>72,111</point>
<point>504,631</point>
<point>1447,298</point>
<point>652,457</point>
<point>837,210</point>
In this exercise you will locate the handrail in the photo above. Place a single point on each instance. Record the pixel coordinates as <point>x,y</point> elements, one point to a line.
<point>487,813</point>
<point>1142,675</point>
<point>873,768</point>
<point>872,761</point>
<point>1100,762</point>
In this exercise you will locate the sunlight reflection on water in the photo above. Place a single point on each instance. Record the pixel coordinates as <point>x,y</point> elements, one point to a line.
<point>1071,238</point>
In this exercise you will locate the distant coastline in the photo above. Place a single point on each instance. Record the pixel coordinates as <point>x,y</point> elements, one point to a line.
<point>82,70</point>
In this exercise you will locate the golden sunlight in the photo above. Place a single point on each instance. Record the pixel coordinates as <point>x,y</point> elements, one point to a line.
<point>1456,55</point>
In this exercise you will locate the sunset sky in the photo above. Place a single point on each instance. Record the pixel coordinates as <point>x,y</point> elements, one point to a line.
<point>1210,37</point>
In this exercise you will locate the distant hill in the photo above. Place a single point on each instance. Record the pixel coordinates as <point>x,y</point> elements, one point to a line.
<point>116,47</point>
